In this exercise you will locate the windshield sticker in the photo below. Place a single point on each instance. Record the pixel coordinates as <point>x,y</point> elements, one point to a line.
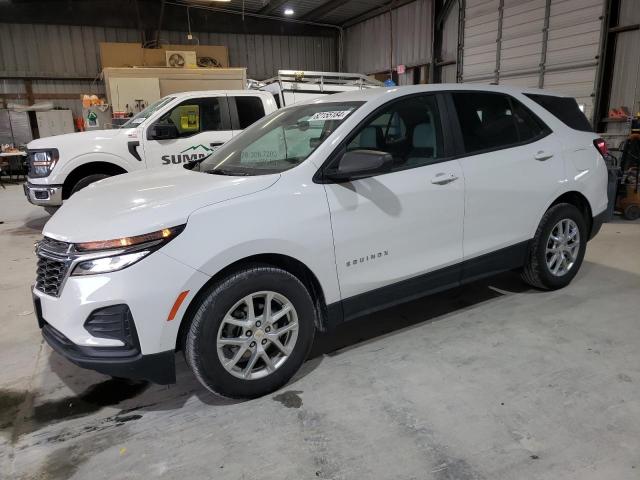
<point>137,121</point>
<point>191,154</point>
<point>332,115</point>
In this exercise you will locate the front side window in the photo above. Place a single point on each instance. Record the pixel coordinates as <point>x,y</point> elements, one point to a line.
<point>140,117</point>
<point>491,121</point>
<point>409,130</point>
<point>195,115</point>
<point>279,141</point>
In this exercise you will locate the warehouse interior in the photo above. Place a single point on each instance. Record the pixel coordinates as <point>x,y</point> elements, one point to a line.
<point>492,379</point>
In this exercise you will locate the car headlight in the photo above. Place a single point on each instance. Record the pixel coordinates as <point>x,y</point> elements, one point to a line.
<point>109,264</point>
<point>112,255</point>
<point>42,161</point>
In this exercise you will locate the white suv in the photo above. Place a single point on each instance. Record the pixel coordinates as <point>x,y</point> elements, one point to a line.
<point>316,214</point>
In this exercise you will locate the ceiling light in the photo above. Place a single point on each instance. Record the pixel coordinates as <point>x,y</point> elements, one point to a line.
<point>288,11</point>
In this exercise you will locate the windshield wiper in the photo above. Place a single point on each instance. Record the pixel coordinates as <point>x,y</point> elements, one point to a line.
<point>191,164</point>
<point>230,173</point>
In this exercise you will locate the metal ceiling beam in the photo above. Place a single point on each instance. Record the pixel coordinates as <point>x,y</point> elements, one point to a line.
<point>375,12</point>
<point>122,14</point>
<point>323,9</point>
<point>272,6</point>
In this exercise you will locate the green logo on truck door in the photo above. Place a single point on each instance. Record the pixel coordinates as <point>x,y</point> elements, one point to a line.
<point>191,154</point>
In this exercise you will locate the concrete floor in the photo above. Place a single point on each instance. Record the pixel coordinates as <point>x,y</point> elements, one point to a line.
<point>493,380</point>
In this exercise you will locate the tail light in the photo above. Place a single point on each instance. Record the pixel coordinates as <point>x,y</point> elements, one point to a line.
<point>601,146</point>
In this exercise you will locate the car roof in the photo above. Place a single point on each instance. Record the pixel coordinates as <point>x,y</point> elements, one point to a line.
<point>371,94</point>
<point>218,92</point>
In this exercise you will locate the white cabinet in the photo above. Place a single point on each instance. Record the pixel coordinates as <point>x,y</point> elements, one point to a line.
<point>54,122</point>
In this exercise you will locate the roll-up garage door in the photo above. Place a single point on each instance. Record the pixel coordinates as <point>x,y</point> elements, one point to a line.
<point>553,44</point>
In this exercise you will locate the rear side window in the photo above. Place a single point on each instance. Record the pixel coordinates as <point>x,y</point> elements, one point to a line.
<point>529,126</point>
<point>564,109</point>
<point>491,121</point>
<point>250,110</point>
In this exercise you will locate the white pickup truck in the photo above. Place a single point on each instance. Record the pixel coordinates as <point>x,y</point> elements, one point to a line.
<point>178,128</point>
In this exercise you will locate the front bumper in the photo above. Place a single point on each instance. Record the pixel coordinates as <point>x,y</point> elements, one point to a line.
<point>43,195</point>
<point>149,289</point>
<point>117,362</point>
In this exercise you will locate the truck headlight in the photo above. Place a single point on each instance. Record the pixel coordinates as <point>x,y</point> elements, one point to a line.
<point>42,161</point>
<point>112,255</point>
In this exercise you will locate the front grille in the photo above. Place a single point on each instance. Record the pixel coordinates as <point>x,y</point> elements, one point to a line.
<point>50,276</point>
<point>53,263</point>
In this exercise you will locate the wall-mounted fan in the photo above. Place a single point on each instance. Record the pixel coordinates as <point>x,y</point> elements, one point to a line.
<point>180,59</point>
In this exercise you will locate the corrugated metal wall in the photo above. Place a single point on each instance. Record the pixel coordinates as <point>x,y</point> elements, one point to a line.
<point>625,88</point>
<point>480,34</point>
<point>449,49</point>
<point>367,46</point>
<point>263,55</point>
<point>73,52</point>
<point>552,44</point>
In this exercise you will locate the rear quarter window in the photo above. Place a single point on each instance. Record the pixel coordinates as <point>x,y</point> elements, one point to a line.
<point>493,121</point>
<point>564,109</point>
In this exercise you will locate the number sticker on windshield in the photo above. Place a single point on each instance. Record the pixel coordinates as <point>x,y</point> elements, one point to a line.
<point>332,115</point>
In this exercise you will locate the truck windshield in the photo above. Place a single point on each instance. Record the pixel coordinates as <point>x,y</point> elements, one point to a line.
<point>279,141</point>
<point>140,117</point>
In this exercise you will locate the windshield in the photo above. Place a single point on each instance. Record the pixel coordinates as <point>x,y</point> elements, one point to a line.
<point>140,117</point>
<point>279,141</point>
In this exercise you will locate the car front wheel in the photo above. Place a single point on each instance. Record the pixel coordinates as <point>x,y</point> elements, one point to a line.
<point>251,332</point>
<point>88,180</point>
<point>557,249</point>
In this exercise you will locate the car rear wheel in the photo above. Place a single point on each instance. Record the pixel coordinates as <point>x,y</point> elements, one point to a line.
<point>557,249</point>
<point>251,332</point>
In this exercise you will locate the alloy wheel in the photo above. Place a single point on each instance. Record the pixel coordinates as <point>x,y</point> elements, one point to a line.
<point>563,247</point>
<point>257,335</point>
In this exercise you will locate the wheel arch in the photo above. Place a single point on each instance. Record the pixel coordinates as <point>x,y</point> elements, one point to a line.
<point>579,201</point>
<point>90,168</point>
<point>285,262</point>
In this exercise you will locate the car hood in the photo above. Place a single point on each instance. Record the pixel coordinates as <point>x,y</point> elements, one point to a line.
<point>144,202</point>
<point>68,140</point>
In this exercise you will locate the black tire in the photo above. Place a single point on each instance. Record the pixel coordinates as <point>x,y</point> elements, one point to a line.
<point>200,345</point>
<point>632,212</point>
<point>88,180</point>
<point>536,272</point>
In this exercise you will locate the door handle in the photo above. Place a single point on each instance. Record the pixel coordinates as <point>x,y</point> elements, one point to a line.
<point>215,144</point>
<point>443,178</point>
<point>542,156</point>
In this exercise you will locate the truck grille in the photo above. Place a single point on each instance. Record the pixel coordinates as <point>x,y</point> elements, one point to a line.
<point>53,264</point>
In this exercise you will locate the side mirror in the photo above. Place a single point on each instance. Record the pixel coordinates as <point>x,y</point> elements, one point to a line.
<point>359,164</point>
<point>163,132</point>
